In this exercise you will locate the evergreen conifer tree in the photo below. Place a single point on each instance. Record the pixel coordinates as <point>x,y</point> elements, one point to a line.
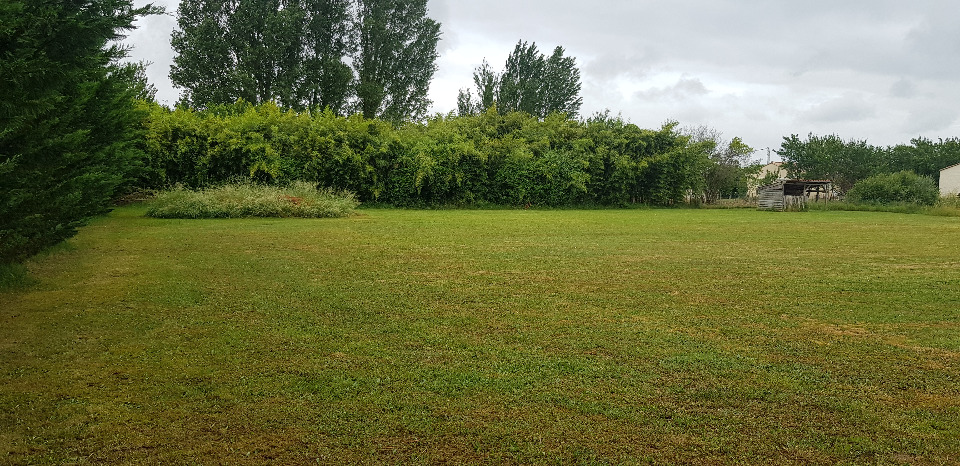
<point>68,117</point>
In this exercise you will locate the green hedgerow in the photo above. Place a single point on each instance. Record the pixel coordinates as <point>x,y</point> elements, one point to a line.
<point>901,187</point>
<point>236,200</point>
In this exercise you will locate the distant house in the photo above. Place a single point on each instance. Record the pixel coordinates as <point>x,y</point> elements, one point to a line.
<point>950,180</point>
<point>766,173</point>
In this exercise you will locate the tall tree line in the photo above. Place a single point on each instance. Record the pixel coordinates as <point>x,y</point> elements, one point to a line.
<point>376,57</point>
<point>846,162</point>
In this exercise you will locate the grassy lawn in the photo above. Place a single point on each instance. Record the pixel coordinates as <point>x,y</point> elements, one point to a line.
<point>557,337</point>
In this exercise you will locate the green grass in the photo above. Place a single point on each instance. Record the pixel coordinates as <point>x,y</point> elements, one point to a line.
<point>945,207</point>
<point>239,200</point>
<point>511,336</point>
<point>13,276</point>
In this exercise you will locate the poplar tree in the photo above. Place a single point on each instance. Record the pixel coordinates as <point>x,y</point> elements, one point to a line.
<point>373,56</point>
<point>327,40</point>
<point>396,58</point>
<point>288,51</point>
<point>521,83</point>
<point>487,83</point>
<point>560,89</point>
<point>530,83</point>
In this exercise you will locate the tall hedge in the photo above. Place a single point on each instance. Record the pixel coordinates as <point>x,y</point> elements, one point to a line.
<point>512,159</point>
<point>69,124</point>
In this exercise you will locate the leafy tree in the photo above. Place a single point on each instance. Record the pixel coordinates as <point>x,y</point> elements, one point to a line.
<point>530,83</point>
<point>831,158</point>
<point>561,85</point>
<point>848,162</point>
<point>487,83</point>
<point>296,53</point>
<point>395,59</point>
<point>289,51</point>
<point>205,63</point>
<point>143,88</point>
<point>924,156</point>
<point>466,106</point>
<point>327,81</point>
<point>728,168</point>
<point>521,83</point>
<point>68,119</point>
<point>727,171</point>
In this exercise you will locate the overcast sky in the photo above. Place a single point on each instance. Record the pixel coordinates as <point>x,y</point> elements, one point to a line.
<point>881,70</point>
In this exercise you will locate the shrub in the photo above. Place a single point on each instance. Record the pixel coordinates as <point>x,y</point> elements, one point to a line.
<point>901,187</point>
<point>237,200</point>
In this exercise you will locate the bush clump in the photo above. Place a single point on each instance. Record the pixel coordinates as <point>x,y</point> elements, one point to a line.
<point>895,188</point>
<point>237,200</point>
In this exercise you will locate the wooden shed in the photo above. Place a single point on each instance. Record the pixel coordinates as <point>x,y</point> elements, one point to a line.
<point>791,194</point>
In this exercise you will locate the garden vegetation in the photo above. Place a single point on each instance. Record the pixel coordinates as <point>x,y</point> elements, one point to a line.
<point>235,200</point>
<point>485,159</point>
<point>903,187</point>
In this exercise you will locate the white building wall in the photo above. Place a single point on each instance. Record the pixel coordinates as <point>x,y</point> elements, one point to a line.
<point>774,167</point>
<point>950,181</point>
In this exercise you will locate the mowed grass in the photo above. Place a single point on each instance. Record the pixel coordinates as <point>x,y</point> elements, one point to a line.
<point>546,337</point>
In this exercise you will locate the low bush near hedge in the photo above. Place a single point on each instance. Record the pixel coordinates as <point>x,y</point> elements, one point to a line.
<point>896,188</point>
<point>237,200</point>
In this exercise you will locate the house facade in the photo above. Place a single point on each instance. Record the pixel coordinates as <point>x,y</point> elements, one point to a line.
<point>774,168</point>
<point>950,181</point>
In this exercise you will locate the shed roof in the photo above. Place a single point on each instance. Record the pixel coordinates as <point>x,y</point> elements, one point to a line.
<point>785,182</point>
<point>951,166</point>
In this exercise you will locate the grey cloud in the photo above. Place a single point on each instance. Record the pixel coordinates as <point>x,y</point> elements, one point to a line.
<point>449,39</point>
<point>903,89</point>
<point>683,89</point>
<point>843,109</point>
<point>629,65</point>
<point>931,119</point>
<point>150,42</point>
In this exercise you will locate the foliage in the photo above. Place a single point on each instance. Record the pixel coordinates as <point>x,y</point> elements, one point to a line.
<point>901,187</point>
<point>729,169</point>
<point>289,51</point>
<point>830,158</point>
<point>237,200</point>
<point>530,83</point>
<point>395,59</point>
<point>299,53</point>
<point>487,83</point>
<point>489,158</point>
<point>560,91</point>
<point>847,162</point>
<point>923,156</point>
<point>68,119</point>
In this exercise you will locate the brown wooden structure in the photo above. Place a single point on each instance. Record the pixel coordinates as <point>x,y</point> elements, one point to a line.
<point>792,194</point>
